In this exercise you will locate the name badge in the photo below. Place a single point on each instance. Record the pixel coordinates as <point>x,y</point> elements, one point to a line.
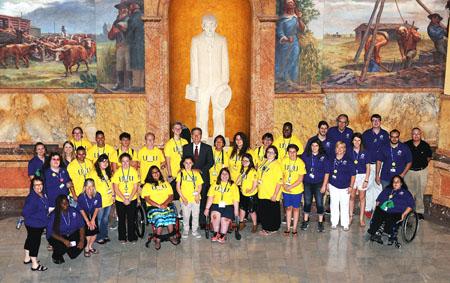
<point>109,192</point>
<point>222,204</point>
<point>259,181</point>
<point>333,176</point>
<point>393,170</point>
<point>61,186</point>
<point>214,173</point>
<point>126,194</point>
<point>311,175</point>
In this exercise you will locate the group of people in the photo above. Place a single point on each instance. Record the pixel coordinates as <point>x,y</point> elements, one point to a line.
<point>72,193</point>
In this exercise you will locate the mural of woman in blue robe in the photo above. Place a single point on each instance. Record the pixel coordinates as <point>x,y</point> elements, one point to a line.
<point>287,52</point>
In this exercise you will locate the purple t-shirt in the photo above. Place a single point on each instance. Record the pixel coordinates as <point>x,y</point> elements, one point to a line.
<point>335,135</point>
<point>401,198</point>
<point>71,221</point>
<point>394,160</point>
<point>316,168</point>
<point>55,184</point>
<point>373,142</point>
<point>89,204</point>
<point>35,166</point>
<point>341,172</point>
<point>360,159</point>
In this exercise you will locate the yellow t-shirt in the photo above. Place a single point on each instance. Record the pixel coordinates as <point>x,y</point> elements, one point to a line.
<point>174,150</point>
<point>118,152</point>
<point>103,187</point>
<point>235,164</point>
<point>189,183</point>
<point>147,158</point>
<point>226,192</point>
<point>94,152</point>
<point>125,179</point>
<point>258,156</point>
<point>247,181</point>
<point>292,170</point>
<point>159,193</point>
<point>84,142</point>
<point>281,144</point>
<point>269,175</point>
<point>78,173</point>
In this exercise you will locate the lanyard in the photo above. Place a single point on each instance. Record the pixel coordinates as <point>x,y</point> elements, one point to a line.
<point>312,163</point>
<point>356,158</point>
<point>177,148</point>
<point>83,170</point>
<point>265,168</point>
<point>393,193</point>
<point>216,160</point>
<point>287,144</point>
<point>291,167</point>
<point>87,204</point>
<point>336,164</point>
<point>105,179</point>
<point>192,177</point>
<point>43,202</point>
<point>125,180</point>
<point>392,157</point>
<point>98,152</point>
<point>65,221</point>
<point>222,191</point>
<point>261,158</point>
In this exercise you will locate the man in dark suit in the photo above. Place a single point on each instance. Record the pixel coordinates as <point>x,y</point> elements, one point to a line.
<point>203,161</point>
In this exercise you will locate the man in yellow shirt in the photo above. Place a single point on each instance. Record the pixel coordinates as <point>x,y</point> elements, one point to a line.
<point>78,139</point>
<point>100,148</point>
<point>78,170</point>
<point>150,155</point>
<point>282,142</point>
<point>125,141</point>
<point>259,152</point>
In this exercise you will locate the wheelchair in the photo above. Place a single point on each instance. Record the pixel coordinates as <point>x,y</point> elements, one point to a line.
<point>233,226</point>
<point>406,228</point>
<point>141,218</point>
<point>164,237</point>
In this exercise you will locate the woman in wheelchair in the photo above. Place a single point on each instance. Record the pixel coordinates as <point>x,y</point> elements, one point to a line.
<point>158,195</point>
<point>392,206</point>
<point>223,201</point>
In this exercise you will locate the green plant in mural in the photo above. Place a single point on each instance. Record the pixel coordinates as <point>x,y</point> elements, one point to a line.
<point>307,7</point>
<point>87,81</point>
<point>107,62</point>
<point>309,60</point>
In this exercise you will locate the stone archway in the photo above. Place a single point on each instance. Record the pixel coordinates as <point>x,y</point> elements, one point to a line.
<point>261,69</point>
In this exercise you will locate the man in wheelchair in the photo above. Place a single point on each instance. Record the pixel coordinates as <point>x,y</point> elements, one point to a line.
<point>161,213</point>
<point>392,206</point>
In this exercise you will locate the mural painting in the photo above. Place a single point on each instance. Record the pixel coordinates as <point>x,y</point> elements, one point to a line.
<point>47,44</point>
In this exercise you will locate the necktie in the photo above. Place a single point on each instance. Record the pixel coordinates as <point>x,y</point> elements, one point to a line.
<point>196,153</point>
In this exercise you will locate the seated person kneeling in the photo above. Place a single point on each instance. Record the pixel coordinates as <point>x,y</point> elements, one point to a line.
<point>65,231</point>
<point>393,205</point>
<point>223,201</point>
<point>158,195</point>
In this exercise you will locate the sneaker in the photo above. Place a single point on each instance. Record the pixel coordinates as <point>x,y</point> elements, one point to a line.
<point>185,234</point>
<point>320,227</point>
<point>196,234</point>
<point>346,229</point>
<point>368,214</point>
<point>254,228</point>
<point>304,225</point>
<point>334,227</point>
<point>222,239</point>
<point>376,238</point>
<point>216,237</point>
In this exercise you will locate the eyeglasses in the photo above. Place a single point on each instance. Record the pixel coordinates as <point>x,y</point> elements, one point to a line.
<point>155,172</point>
<point>395,137</point>
<point>271,152</point>
<point>56,159</point>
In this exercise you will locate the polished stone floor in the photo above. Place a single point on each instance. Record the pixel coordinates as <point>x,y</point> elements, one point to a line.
<point>333,256</point>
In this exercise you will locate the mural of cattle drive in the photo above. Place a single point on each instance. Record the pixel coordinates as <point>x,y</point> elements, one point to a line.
<point>121,46</point>
<point>385,44</point>
<point>47,44</point>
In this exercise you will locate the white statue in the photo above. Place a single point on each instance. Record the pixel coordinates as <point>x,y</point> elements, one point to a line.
<point>210,75</point>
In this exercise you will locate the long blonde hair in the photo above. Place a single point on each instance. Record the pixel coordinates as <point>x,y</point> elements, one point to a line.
<point>86,183</point>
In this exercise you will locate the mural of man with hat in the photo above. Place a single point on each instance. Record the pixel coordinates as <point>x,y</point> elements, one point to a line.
<point>118,32</point>
<point>136,44</point>
<point>438,33</point>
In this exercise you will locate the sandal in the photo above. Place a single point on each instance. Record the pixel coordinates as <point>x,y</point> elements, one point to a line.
<point>49,248</point>
<point>286,232</point>
<point>157,245</point>
<point>28,262</point>
<point>294,233</point>
<point>87,253</point>
<point>174,241</point>
<point>39,268</point>
<point>93,251</point>
<point>101,242</point>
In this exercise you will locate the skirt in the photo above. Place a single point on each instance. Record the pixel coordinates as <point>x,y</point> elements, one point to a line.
<point>94,232</point>
<point>269,214</point>
<point>159,217</point>
<point>248,204</point>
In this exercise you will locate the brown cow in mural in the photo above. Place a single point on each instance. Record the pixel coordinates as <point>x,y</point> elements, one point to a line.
<point>72,55</point>
<point>18,52</point>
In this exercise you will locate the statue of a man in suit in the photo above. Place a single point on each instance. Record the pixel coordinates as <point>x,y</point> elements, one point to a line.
<point>209,76</point>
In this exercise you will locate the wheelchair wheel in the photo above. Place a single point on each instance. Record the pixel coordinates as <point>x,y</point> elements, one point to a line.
<point>410,226</point>
<point>141,221</point>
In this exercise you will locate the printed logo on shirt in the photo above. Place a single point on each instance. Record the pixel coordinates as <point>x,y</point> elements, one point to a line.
<point>159,187</point>
<point>83,171</point>
<point>126,178</point>
<point>150,158</point>
<point>95,202</point>
<point>344,162</point>
<point>322,158</point>
<point>218,188</point>
<point>362,156</point>
<point>74,214</point>
<point>401,193</point>
<point>327,144</point>
<point>381,137</point>
<point>399,152</point>
<point>291,167</point>
<point>347,136</point>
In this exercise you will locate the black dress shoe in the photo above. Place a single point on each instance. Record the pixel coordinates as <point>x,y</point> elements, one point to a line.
<point>58,261</point>
<point>421,217</point>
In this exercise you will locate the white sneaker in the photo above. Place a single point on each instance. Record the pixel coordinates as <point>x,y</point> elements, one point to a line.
<point>185,234</point>
<point>334,227</point>
<point>346,229</point>
<point>196,234</point>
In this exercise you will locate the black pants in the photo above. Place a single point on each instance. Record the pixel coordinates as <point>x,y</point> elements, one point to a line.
<point>173,184</point>
<point>204,194</point>
<point>389,219</point>
<point>33,241</point>
<point>127,219</point>
<point>59,249</point>
<point>270,215</point>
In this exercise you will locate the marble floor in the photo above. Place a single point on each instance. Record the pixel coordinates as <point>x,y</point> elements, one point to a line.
<point>333,256</point>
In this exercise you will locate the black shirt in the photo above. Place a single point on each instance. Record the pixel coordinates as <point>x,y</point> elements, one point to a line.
<point>420,154</point>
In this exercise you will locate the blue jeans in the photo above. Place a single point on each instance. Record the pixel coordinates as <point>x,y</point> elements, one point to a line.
<point>103,221</point>
<point>310,191</point>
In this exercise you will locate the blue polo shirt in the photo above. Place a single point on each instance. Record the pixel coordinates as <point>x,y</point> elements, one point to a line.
<point>316,168</point>
<point>35,210</point>
<point>373,142</point>
<point>341,172</point>
<point>55,184</point>
<point>89,204</point>
<point>35,166</point>
<point>335,135</point>
<point>360,159</point>
<point>327,145</point>
<point>71,221</point>
<point>401,198</point>
<point>394,160</point>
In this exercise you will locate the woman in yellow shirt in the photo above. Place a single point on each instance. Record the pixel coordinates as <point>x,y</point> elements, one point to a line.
<point>189,187</point>
<point>248,185</point>
<point>223,201</point>
<point>102,175</point>
<point>293,172</point>
<point>78,140</point>
<point>125,183</point>
<point>221,158</point>
<point>240,146</point>
<point>158,195</point>
<point>270,179</point>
